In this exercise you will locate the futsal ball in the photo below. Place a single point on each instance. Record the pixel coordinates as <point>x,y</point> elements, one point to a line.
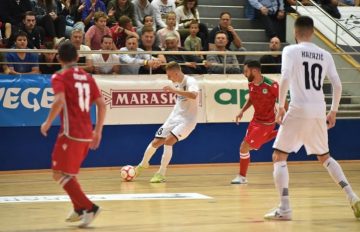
<point>127,173</point>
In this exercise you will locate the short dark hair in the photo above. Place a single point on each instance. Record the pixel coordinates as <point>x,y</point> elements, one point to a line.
<point>224,13</point>
<point>123,20</point>
<point>67,52</point>
<point>105,36</point>
<point>304,22</point>
<point>147,29</point>
<point>21,33</point>
<point>222,32</point>
<point>143,21</point>
<point>173,65</point>
<point>253,64</point>
<point>29,13</point>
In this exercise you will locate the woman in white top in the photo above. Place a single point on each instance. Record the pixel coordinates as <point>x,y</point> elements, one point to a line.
<point>184,15</point>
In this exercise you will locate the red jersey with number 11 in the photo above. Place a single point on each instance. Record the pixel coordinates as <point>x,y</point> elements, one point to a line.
<point>263,98</point>
<point>80,92</point>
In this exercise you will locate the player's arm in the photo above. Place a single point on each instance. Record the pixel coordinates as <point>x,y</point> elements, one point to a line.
<point>97,133</point>
<point>247,105</point>
<point>56,108</point>
<point>187,94</point>
<point>336,93</point>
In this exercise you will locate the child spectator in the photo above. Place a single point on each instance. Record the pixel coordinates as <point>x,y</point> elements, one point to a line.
<point>192,42</point>
<point>95,33</point>
<point>170,27</point>
<point>123,29</point>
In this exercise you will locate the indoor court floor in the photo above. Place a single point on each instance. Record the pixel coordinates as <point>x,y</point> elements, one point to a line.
<point>195,198</point>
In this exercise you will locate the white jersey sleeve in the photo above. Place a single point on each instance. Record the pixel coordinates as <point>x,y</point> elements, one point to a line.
<point>334,78</point>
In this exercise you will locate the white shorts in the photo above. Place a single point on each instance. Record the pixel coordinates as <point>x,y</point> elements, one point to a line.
<point>296,132</point>
<point>180,130</point>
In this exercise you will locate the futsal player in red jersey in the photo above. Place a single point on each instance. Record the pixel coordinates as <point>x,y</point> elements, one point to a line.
<point>75,91</point>
<point>263,93</point>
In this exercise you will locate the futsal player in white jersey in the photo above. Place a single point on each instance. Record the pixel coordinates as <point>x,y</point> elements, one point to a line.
<point>304,67</point>
<point>180,123</point>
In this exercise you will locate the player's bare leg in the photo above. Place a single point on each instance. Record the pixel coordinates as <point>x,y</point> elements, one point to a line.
<point>244,163</point>
<point>149,152</point>
<point>159,176</point>
<point>339,177</point>
<point>281,179</point>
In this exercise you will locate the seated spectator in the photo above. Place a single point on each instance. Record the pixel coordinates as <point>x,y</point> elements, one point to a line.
<point>331,7</point>
<point>91,6</point>
<point>72,12</point>
<point>3,68</point>
<point>192,42</point>
<point>12,12</point>
<point>184,15</point>
<point>96,32</point>
<point>147,21</point>
<point>170,27</point>
<point>272,16</point>
<point>34,33</point>
<point>22,62</point>
<point>48,16</point>
<point>189,62</point>
<point>147,43</point>
<point>143,8</point>
<point>6,28</point>
<point>48,63</point>
<point>122,30</point>
<point>163,7</point>
<point>273,60</point>
<point>85,60</point>
<point>217,63</point>
<point>133,62</point>
<point>106,63</point>
<point>118,8</point>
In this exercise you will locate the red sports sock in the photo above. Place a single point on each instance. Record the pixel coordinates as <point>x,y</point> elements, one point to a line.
<point>244,163</point>
<point>77,196</point>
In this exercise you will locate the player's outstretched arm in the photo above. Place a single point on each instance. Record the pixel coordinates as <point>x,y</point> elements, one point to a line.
<point>56,108</point>
<point>97,133</point>
<point>188,94</point>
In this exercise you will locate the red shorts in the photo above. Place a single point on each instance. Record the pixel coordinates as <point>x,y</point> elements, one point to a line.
<point>258,134</point>
<point>68,155</point>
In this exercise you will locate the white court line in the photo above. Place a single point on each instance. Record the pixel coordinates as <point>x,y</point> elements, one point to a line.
<point>106,197</point>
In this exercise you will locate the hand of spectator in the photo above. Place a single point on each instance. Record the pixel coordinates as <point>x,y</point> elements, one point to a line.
<point>156,63</point>
<point>264,10</point>
<point>111,12</point>
<point>53,15</point>
<point>206,63</point>
<point>120,29</point>
<point>81,7</point>
<point>190,64</point>
<point>231,29</point>
<point>280,14</point>
<point>67,4</point>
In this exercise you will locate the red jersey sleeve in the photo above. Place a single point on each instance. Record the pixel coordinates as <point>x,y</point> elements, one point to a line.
<point>57,83</point>
<point>274,89</point>
<point>94,90</point>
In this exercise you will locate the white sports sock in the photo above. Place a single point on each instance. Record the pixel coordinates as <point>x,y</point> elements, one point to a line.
<point>338,176</point>
<point>281,179</point>
<point>165,159</point>
<point>149,152</point>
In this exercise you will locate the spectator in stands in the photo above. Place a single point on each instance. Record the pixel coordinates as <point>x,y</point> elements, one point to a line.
<point>133,62</point>
<point>192,42</point>
<point>85,60</point>
<point>147,21</point>
<point>3,68</point>
<point>12,12</point>
<point>73,16</point>
<point>90,8</point>
<point>118,8</point>
<point>22,62</point>
<point>272,15</point>
<point>190,63</point>
<point>143,8</point>
<point>272,63</point>
<point>331,7</point>
<point>48,63</point>
<point>95,33</point>
<point>163,7</point>
<point>217,63</point>
<point>122,30</point>
<point>34,33</point>
<point>48,16</point>
<point>170,27</point>
<point>148,43</point>
<point>106,63</point>
<point>5,28</point>
<point>184,15</point>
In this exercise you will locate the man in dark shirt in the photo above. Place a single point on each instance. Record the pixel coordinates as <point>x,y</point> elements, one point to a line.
<point>52,64</point>
<point>12,11</point>
<point>272,63</point>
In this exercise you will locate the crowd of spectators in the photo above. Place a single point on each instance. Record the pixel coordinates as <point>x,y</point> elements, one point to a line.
<point>134,26</point>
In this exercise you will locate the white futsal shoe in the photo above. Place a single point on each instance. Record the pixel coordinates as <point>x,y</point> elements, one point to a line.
<point>239,180</point>
<point>89,216</point>
<point>74,216</point>
<point>278,214</point>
